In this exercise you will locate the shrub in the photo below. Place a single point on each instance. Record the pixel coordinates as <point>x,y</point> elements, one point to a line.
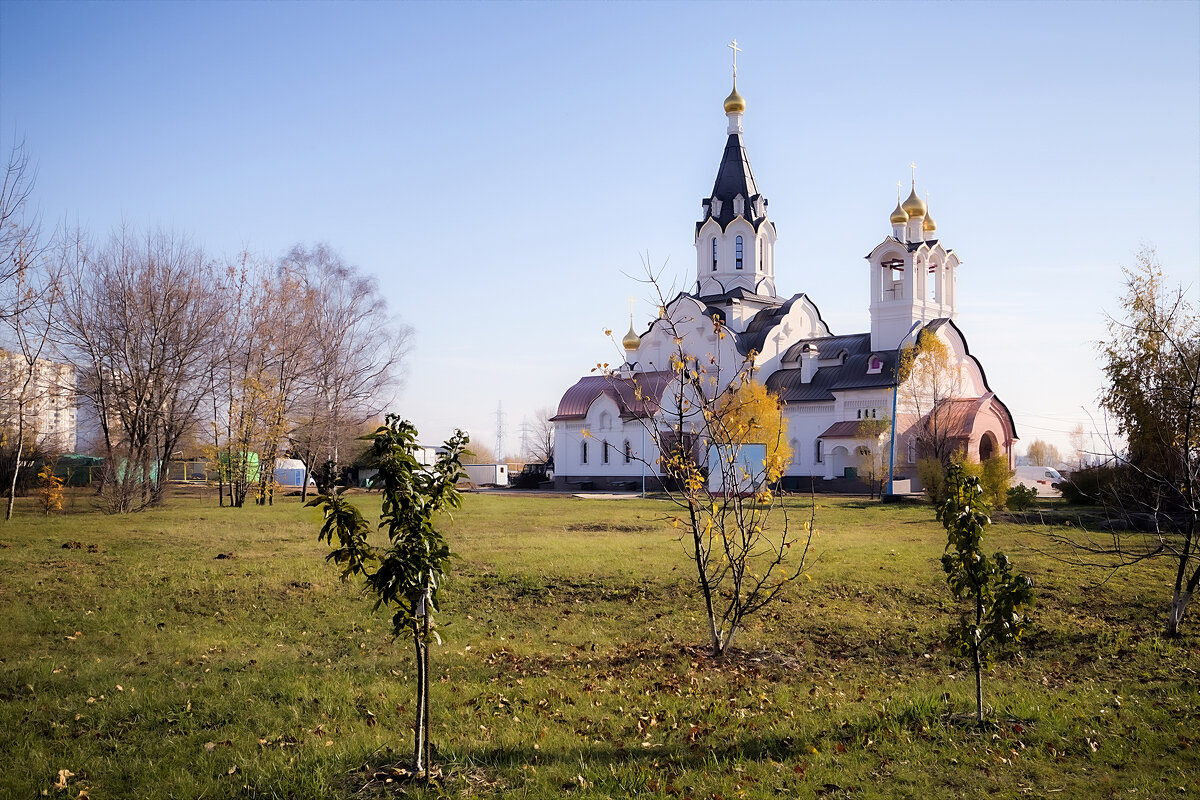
<point>1094,485</point>
<point>1021,498</point>
<point>994,478</point>
<point>933,479</point>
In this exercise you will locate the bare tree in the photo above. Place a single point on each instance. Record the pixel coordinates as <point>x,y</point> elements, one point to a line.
<point>260,354</point>
<point>236,382</point>
<point>19,231</point>
<point>32,384</point>
<point>29,383</point>
<point>138,318</point>
<point>540,447</point>
<point>1078,439</point>
<point>355,350</point>
<point>291,310</point>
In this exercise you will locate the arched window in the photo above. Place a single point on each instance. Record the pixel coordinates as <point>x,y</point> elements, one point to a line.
<point>583,452</point>
<point>628,452</point>
<point>714,254</point>
<point>605,451</point>
<point>738,260</point>
<point>820,451</point>
<point>760,256</point>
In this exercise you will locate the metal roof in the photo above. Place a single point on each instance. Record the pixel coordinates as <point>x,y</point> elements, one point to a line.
<point>848,429</point>
<point>734,177</point>
<point>636,396</point>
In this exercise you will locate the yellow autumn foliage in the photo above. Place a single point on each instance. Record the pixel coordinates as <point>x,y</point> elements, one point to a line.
<point>51,492</point>
<point>750,414</point>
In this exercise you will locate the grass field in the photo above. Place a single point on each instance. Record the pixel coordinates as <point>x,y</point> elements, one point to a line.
<point>573,665</point>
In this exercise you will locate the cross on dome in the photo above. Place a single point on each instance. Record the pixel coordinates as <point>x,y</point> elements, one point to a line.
<point>735,103</point>
<point>914,206</point>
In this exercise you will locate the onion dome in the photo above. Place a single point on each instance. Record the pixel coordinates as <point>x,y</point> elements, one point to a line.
<point>631,340</point>
<point>735,103</point>
<point>914,206</point>
<point>928,226</point>
<point>899,216</point>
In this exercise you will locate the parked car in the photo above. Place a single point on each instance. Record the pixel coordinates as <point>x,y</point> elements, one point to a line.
<point>534,474</point>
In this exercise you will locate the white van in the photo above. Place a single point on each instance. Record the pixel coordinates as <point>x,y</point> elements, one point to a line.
<point>1040,478</point>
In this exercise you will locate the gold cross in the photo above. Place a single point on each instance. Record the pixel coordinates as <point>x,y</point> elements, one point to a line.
<point>899,188</point>
<point>914,169</point>
<point>736,50</point>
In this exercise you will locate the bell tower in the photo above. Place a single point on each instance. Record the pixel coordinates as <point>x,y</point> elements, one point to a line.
<point>913,276</point>
<point>735,242</point>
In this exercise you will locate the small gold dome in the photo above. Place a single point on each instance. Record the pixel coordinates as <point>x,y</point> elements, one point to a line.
<point>899,216</point>
<point>914,206</point>
<point>631,340</point>
<point>928,226</point>
<point>735,103</point>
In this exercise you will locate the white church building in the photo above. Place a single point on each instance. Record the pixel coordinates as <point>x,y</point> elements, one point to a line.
<point>828,382</point>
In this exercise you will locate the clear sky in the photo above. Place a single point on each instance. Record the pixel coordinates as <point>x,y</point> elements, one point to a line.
<point>503,168</point>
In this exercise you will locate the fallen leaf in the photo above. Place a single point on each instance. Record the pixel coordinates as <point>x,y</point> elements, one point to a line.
<point>63,776</point>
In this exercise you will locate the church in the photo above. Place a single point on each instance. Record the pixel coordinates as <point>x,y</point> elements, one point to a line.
<point>827,383</point>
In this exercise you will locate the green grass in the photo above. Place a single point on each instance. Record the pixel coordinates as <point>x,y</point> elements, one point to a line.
<point>573,664</point>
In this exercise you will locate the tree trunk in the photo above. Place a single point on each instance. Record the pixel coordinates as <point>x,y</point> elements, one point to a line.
<point>425,684</point>
<point>12,490</point>
<point>702,574</point>
<point>977,654</point>
<point>1175,615</point>
<point>978,685</point>
<point>419,726</point>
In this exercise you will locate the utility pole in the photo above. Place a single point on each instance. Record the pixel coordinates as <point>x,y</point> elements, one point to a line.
<point>500,432</point>
<point>526,432</point>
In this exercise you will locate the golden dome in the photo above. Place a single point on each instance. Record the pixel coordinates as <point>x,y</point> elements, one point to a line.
<point>735,103</point>
<point>899,216</point>
<point>914,206</point>
<point>631,340</point>
<point>928,226</point>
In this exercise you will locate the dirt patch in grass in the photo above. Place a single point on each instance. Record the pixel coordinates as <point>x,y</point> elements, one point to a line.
<point>373,780</point>
<point>611,527</point>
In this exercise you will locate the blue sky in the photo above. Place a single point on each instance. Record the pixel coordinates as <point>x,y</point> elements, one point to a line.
<point>504,167</point>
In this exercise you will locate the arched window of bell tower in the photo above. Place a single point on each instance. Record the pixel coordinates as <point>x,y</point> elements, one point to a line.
<point>738,254</point>
<point>714,254</point>
<point>933,281</point>
<point>891,279</point>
